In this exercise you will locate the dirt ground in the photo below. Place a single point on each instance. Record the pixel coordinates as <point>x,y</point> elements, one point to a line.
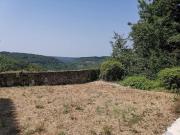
<point>96,108</point>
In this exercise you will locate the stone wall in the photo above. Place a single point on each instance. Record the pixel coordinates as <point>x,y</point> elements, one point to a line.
<point>47,78</point>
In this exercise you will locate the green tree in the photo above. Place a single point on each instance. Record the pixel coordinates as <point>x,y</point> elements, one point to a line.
<point>122,52</point>
<point>118,45</point>
<point>156,35</point>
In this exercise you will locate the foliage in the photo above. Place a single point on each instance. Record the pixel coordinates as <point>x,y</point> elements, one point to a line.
<point>31,62</point>
<point>122,53</point>
<point>118,45</point>
<point>140,82</point>
<point>155,38</point>
<point>111,70</point>
<point>34,67</point>
<point>10,64</point>
<point>48,63</point>
<point>82,62</point>
<point>156,35</point>
<point>170,78</point>
<point>94,74</point>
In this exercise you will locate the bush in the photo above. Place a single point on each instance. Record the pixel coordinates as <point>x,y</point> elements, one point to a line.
<point>170,78</point>
<point>111,70</point>
<point>94,74</point>
<point>140,82</point>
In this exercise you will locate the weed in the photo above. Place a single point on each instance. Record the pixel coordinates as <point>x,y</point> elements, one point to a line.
<point>176,98</point>
<point>62,133</point>
<point>134,119</point>
<point>107,109</point>
<point>39,106</point>
<point>73,117</point>
<point>128,115</point>
<point>134,131</point>
<point>90,101</point>
<point>107,130</point>
<point>92,132</point>
<point>117,112</point>
<point>100,110</point>
<point>67,109</point>
<point>39,96</point>
<point>24,95</point>
<point>30,132</point>
<point>78,107</point>
<point>40,128</point>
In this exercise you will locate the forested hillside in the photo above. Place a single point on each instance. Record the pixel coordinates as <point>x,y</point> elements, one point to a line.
<point>31,62</point>
<point>82,62</point>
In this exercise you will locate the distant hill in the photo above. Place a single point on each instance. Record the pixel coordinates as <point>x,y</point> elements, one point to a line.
<point>12,61</point>
<point>82,62</point>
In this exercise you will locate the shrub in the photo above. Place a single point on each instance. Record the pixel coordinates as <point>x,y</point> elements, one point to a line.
<point>94,74</point>
<point>170,78</point>
<point>140,82</point>
<point>111,71</point>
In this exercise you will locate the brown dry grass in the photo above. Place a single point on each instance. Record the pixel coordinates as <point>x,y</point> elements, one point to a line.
<point>177,104</point>
<point>97,108</point>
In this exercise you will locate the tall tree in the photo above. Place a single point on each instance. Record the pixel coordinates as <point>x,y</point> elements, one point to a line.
<point>156,35</point>
<point>122,52</point>
<point>118,45</point>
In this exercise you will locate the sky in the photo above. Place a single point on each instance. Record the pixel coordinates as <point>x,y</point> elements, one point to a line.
<point>69,28</point>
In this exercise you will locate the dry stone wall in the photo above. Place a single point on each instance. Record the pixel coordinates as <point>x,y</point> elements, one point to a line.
<point>47,78</point>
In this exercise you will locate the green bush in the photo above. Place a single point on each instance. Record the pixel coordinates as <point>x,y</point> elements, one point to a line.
<point>111,70</point>
<point>170,78</point>
<point>140,82</point>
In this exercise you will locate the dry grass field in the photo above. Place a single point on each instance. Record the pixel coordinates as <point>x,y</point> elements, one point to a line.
<point>96,108</point>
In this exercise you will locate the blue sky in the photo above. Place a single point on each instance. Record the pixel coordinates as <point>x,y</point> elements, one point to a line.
<point>71,28</point>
